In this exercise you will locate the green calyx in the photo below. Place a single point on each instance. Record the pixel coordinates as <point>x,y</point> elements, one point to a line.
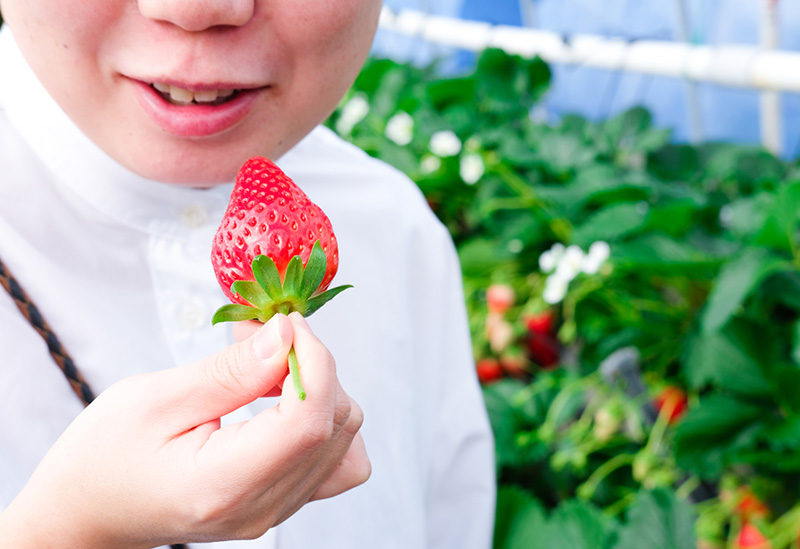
<point>268,295</point>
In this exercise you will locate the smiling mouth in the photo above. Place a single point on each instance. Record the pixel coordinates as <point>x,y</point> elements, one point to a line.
<point>181,96</point>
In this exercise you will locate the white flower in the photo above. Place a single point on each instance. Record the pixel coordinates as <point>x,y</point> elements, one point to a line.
<point>548,261</point>
<point>471,168</point>
<point>597,256</point>
<point>570,264</point>
<point>445,143</point>
<point>431,164</point>
<point>726,215</point>
<point>400,128</point>
<point>352,113</point>
<point>555,288</point>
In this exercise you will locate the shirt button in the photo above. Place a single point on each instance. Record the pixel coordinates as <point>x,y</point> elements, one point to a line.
<point>194,216</point>
<point>193,314</point>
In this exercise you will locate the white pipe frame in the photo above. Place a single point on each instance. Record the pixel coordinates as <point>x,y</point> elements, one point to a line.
<point>731,65</point>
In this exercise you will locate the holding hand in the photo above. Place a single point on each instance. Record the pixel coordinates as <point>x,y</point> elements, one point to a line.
<point>148,464</point>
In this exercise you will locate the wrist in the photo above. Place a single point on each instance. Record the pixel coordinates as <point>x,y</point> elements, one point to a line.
<point>26,525</point>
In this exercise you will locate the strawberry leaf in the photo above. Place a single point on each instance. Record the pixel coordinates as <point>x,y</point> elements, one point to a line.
<point>233,312</point>
<point>314,271</point>
<point>293,277</point>
<point>252,292</point>
<point>267,276</point>
<point>313,304</point>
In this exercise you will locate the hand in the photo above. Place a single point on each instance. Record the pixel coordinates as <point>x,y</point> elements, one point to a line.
<point>148,464</point>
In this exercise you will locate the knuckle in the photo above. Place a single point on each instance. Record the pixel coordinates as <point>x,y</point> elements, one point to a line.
<point>341,415</point>
<point>355,419</point>
<point>316,431</point>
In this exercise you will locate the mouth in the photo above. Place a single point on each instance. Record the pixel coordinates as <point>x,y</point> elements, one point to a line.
<point>181,96</point>
<point>196,110</point>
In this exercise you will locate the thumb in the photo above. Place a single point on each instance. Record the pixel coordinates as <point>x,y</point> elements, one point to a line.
<point>217,385</point>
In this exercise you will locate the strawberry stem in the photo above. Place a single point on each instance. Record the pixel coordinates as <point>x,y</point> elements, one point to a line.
<point>294,371</point>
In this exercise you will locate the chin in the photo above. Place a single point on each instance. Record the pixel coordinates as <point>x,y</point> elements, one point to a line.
<point>192,166</point>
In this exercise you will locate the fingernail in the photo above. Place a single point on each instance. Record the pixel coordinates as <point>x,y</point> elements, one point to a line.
<point>268,339</point>
<point>300,321</point>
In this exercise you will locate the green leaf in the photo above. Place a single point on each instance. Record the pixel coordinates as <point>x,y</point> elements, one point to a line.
<point>252,292</point>
<point>518,517</point>
<point>784,436</point>
<point>610,223</point>
<point>727,359</point>
<point>736,281</point>
<point>293,277</point>
<point>234,312</point>
<point>575,525</point>
<point>314,272</point>
<point>313,304</point>
<point>267,276</point>
<point>658,520</point>
<point>523,524</point>
<point>711,434</point>
<point>660,253</point>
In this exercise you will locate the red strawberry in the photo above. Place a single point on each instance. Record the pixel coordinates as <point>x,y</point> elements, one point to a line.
<point>749,505</point>
<point>489,370</point>
<point>274,251</point>
<point>751,536</point>
<point>540,323</point>
<point>673,402</point>
<point>268,214</point>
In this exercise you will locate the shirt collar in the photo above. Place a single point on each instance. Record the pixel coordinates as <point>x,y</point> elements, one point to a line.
<point>66,152</point>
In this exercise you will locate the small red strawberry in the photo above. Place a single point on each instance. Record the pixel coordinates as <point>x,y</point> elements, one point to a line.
<point>750,536</point>
<point>673,402</point>
<point>489,370</point>
<point>540,323</point>
<point>274,251</point>
<point>750,506</point>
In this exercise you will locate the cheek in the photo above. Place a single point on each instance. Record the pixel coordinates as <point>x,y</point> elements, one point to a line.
<point>61,39</point>
<point>329,46</point>
<point>331,29</point>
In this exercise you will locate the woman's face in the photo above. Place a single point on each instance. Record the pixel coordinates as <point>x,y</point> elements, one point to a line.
<point>185,91</point>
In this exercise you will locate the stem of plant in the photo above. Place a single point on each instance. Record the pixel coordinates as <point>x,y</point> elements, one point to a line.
<point>294,371</point>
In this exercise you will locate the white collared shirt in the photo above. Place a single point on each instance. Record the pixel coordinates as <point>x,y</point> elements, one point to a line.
<point>120,268</point>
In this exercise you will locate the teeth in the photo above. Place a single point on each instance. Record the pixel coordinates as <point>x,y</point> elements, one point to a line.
<point>206,96</point>
<point>181,96</point>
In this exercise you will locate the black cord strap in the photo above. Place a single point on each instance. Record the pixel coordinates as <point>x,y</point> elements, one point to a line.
<point>34,317</point>
<point>57,351</point>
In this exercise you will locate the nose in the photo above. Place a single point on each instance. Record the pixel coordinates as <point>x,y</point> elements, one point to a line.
<point>199,15</point>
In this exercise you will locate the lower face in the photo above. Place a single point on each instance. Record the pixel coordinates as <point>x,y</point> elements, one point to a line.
<point>190,106</point>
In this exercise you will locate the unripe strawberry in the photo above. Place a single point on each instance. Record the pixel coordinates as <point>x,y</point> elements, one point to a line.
<point>499,332</point>
<point>500,298</point>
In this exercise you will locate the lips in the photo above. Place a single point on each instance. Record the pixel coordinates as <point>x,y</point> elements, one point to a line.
<point>195,111</point>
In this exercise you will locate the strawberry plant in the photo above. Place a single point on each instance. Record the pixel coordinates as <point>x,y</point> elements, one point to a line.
<point>652,345</point>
